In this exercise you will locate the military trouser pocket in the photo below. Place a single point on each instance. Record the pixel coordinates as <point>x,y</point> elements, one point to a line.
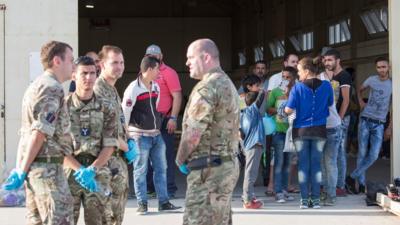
<point>42,180</point>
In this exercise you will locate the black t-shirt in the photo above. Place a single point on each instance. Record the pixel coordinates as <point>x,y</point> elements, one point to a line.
<point>342,79</point>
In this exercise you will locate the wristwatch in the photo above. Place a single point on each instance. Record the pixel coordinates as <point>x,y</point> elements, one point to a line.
<point>173,118</point>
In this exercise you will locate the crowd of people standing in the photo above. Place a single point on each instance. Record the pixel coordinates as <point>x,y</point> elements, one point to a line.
<point>75,150</point>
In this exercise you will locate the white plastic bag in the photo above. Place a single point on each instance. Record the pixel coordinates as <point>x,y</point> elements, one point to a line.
<point>289,145</point>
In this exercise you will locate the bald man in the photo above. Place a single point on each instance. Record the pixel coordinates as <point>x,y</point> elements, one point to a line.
<point>209,139</point>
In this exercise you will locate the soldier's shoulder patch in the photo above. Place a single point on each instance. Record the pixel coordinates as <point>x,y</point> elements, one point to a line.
<point>50,117</point>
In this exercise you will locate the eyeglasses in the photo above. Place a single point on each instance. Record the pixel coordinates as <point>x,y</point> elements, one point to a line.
<point>85,60</point>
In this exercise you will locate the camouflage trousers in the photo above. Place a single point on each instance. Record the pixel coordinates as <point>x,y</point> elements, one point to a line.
<point>95,204</point>
<point>48,197</point>
<point>119,188</point>
<point>209,195</point>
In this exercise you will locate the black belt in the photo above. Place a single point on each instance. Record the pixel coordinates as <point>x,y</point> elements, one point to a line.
<point>206,161</point>
<point>50,159</point>
<point>85,159</point>
<point>372,120</point>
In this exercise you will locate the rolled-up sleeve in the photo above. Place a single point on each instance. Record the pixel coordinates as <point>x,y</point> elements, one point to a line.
<point>46,110</point>
<point>110,126</point>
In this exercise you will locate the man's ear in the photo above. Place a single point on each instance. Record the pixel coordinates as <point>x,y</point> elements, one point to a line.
<point>56,60</point>
<point>73,77</point>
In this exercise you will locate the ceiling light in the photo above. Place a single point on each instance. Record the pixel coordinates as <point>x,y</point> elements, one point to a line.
<point>89,4</point>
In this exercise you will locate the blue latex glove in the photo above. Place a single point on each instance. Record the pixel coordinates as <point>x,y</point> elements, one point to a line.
<point>85,173</point>
<point>132,152</point>
<point>92,186</point>
<point>184,169</point>
<point>85,177</point>
<point>15,180</point>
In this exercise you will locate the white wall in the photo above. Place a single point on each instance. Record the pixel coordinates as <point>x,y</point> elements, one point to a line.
<point>29,24</point>
<point>394,45</point>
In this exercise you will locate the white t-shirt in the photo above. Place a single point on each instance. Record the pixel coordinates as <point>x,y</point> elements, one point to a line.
<point>333,119</point>
<point>275,81</point>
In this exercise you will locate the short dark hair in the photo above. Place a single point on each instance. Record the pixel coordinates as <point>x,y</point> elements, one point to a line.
<point>250,79</point>
<point>332,52</point>
<point>261,62</point>
<point>287,55</point>
<point>84,61</point>
<point>292,71</point>
<point>148,62</point>
<point>250,97</point>
<point>380,59</point>
<point>52,49</point>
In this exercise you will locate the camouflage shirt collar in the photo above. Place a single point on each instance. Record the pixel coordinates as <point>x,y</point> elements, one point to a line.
<point>212,71</point>
<point>106,84</point>
<point>47,73</point>
<point>79,104</point>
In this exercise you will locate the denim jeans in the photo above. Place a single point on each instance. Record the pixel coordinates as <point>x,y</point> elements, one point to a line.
<point>169,140</point>
<point>342,160</point>
<point>153,148</point>
<point>309,150</point>
<point>372,132</point>
<point>281,163</point>
<point>329,160</point>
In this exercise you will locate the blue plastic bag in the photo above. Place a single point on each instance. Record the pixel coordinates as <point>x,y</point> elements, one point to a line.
<point>269,124</point>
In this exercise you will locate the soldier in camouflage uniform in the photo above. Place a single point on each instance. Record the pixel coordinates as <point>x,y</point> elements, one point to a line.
<point>210,129</point>
<point>112,68</point>
<point>45,141</point>
<point>94,128</point>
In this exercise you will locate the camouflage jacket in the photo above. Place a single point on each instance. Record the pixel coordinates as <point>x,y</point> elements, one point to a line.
<point>105,90</point>
<point>43,109</point>
<point>93,125</point>
<point>211,114</point>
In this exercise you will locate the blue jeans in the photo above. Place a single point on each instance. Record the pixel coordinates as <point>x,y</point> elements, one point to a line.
<point>309,150</point>
<point>329,160</point>
<point>153,148</point>
<point>372,132</point>
<point>281,163</point>
<point>169,140</point>
<point>342,160</point>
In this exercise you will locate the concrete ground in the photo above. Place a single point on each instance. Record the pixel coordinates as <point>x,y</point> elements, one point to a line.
<point>350,210</point>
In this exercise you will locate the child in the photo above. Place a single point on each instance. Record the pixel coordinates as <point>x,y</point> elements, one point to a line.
<point>252,130</point>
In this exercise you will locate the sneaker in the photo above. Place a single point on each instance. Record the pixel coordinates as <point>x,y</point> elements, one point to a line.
<point>168,206</point>
<point>280,198</point>
<point>361,189</point>
<point>330,201</point>
<point>314,203</point>
<point>341,192</point>
<point>142,209</point>
<point>253,204</point>
<point>287,196</point>
<point>351,185</point>
<point>304,204</point>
